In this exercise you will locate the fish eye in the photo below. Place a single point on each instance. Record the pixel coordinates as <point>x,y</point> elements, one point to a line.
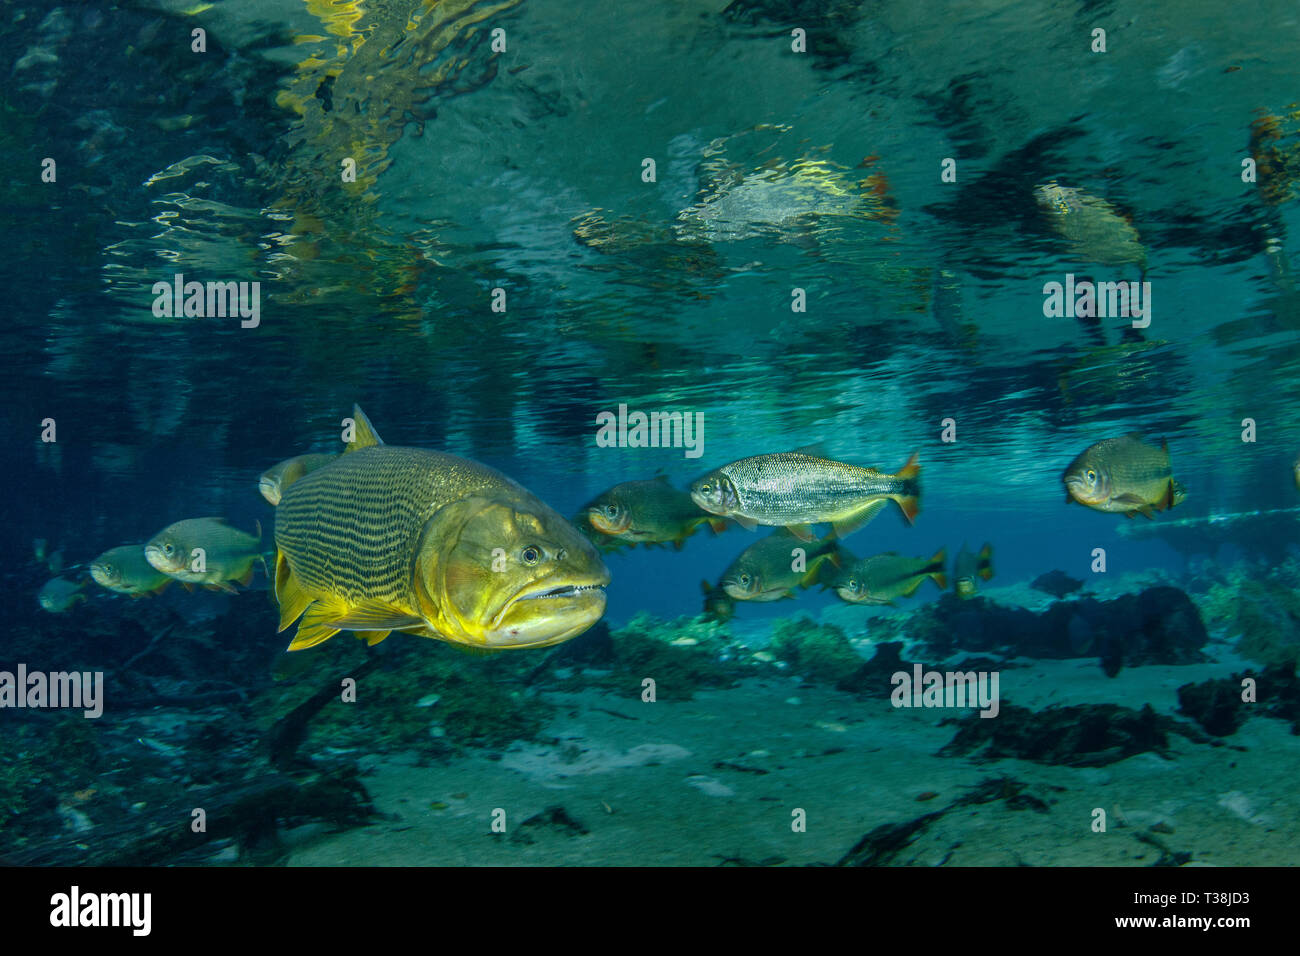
<point>853,583</point>
<point>611,511</point>
<point>706,488</point>
<point>744,579</point>
<point>168,549</point>
<point>1092,475</point>
<point>530,555</point>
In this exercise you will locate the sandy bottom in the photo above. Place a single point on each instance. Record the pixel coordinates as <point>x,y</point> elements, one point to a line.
<point>718,779</point>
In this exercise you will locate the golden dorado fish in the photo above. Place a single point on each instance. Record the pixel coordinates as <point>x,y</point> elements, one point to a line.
<point>1123,475</point>
<point>1097,231</point>
<point>125,570</point>
<point>774,567</point>
<point>795,490</point>
<point>279,477</point>
<point>388,539</point>
<point>881,578</point>
<point>967,567</point>
<point>60,594</point>
<point>648,512</point>
<point>205,551</point>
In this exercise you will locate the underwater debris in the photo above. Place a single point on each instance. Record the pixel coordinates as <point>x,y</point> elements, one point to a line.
<point>554,818</point>
<point>1159,625</point>
<point>874,678</point>
<point>1084,735</point>
<point>1217,706</point>
<point>1056,583</point>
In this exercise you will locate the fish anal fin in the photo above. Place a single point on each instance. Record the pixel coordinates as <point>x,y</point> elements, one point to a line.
<point>374,637</point>
<point>749,524</point>
<point>717,525</point>
<point>802,531</point>
<point>314,628</point>
<point>846,526</point>
<point>374,616</point>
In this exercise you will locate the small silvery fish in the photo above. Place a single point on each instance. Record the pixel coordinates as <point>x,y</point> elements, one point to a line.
<point>881,578</point>
<point>206,551</point>
<point>277,478</point>
<point>60,594</point>
<point>795,490</point>
<point>967,567</point>
<point>1122,475</point>
<point>125,570</point>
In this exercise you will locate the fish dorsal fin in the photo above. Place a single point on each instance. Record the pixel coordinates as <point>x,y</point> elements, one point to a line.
<point>660,477</point>
<point>363,433</point>
<point>815,450</point>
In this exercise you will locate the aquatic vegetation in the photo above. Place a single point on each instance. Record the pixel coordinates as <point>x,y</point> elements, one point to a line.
<point>431,701</point>
<point>1217,704</point>
<point>819,652</point>
<point>1261,607</point>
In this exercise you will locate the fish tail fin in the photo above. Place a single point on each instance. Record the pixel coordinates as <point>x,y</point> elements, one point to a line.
<point>909,500</point>
<point>985,562</point>
<point>937,573</point>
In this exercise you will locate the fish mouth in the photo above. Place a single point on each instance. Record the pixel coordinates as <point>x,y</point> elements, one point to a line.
<point>548,615</point>
<point>270,490</point>
<point>1079,489</point>
<point>160,562</point>
<point>602,524</point>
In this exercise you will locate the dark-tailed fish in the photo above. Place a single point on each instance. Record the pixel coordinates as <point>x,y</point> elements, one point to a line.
<point>60,594</point>
<point>277,478</point>
<point>1122,475</point>
<point>718,604</point>
<point>795,490</point>
<point>647,512</point>
<point>776,567</point>
<point>206,551</point>
<point>967,567</point>
<point>882,577</point>
<point>389,538</point>
<point>125,570</point>
<point>1098,232</point>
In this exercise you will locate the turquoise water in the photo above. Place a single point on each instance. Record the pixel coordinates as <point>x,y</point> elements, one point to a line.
<point>882,179</point>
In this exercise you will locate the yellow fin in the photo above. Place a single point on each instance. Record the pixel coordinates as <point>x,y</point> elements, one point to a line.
<point>374,616</point>
<point>374,637</point>
<point>293,600</point>
<point>846,526</point>
<point>314,628</point>
<point>363,433</point>
<point>474,651</point>
<point>801,531</point>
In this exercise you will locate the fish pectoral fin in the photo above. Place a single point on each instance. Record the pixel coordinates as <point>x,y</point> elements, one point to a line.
<point>749,524</point>
<point>375,616</point>
<point>1128,498</point>
<point>293,600</point>
<point>224,586</point>
<point>314,628</point>
<point>801,531</point>
<point>846,526</point>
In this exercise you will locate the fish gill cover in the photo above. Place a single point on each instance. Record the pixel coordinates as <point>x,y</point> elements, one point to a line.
<point>717,348</point>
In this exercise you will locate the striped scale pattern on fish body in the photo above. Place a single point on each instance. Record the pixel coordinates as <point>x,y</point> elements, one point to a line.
<point>352,528</point>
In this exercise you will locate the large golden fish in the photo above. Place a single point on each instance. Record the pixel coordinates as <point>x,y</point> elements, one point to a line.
<point>388,538</point>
